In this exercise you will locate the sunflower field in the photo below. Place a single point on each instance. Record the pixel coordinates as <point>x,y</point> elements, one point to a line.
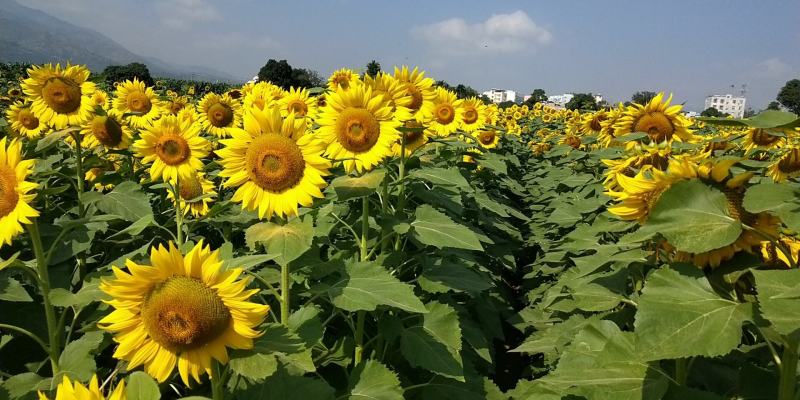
<point>381,238</point>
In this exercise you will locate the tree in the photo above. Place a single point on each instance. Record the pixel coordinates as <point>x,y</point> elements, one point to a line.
<point>643,97</point>
<point>277,72</point>
<point>582,101</point>
<point>306,78</point>
<point>749,112</point>
<point>506,104</point>
<point>373,68</point>
<point>462,91</point>
<point>774,105</point>
<point>789,96</point>
<point>537,96</point>
<point>120,73</point>
<point>713,112</point>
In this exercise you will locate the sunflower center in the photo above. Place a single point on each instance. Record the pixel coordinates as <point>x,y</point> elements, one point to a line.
<point>172,149</point>
<point>342,81</point>
<point>175,107</point>
<point>762,138</point>
<point>298,107</point>
<point>486,137</point>
<point>190,189</point>
<point>274,162</point>
<point>107,131</point>
<point>735,208</point>
<point>413,135</point>
<point>791,162</point>
<point>445,113</point>
<point>573,141</point>
<point>656,125</point>
<point>470,116</point>
<point>183,313</point>
<point>220,115</point>
<point>8,191</point>
<point>595,123</point>
<point>416,96</point>
<point>62,95</point>
<point>357,129</point>
<point>27,119</point>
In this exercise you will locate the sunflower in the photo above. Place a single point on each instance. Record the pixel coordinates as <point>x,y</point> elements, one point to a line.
<point>420,89</point>
<point>60,98</point>
<point>763,139</point>
<point>395,91</point>
<point>298,102</point>
<point>416,136</point>
<point>188,114</point>
<point>592,123</point>
<point>776,255</point>
<point>487,138</point>
<point>472,114</point>
<point>640,193</point>
<point>490,115</point>
<point>788,166</point>
<point>175,104</point>
<point>217,114</point>
<point>359,127</point>
<point>445,112</point>
<point>342,79</point>
<point>180,310</point>
<point>571,140</point>
<point>262,95</point>
<point>660,121</point>
<point>15,198</point>
<point>100,99</point>
<point>173,147</point>
<point>23,121</point>
<point>195,194</point>
<point>109,130</point>
<point>273,172</point>
<point>67,390</point>
<point>138,102</point>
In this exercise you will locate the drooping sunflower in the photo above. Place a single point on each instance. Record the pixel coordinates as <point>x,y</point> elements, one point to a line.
<point>109,131</point>
<point>658,119</point>
<point>777,255</point>
<point>180,311</point>
<point>419,88</point>
<point>188,114</point>
<point>262,95</point>
<point>592,122</point>
<point>217,114</point>
<point>788,166</point>
<point>571,140</point>
<point>173,147</point>
<point>342,79</point>
<point>273,173</point>
<point>175,104</point>
<point>445,112</point>
<point>359,127</point>
<point>194,195</point>
<point>415,136</point>
<point>100,99</point>
<point>60,98</point>
<point>23,121</point>
<point>472,114</point>
<point>15,196</point>
<point>299,102</point>
<point>763,139</point>
<point>487,138</point>
<point>138,102</point>
<point>67,390</point>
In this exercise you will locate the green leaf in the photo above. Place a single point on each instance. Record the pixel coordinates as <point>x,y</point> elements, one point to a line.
<point>694,218</point>
<point>287,241</point>
<point>255,366</point>
<point>494,162</point>
<point>594,297</point>
<point>277,342</point>
<point>765,120</point>
<point>372,380</point>
<point>451,276</point>
<point>20,385</point>
<point>284,386</point>
<point>433,228</point>
<point>435,344</point>
<point>366,285</point>
<point>137,227</point>
<point>350,187</point>
<point>142,386</point>
<point>441,176</point>
<point>90,292</point>
<point>778,199</point>
<point>249,261</point>
<point>127,201</point>
<point>485,202</point>
<point>9,262</point>
<point>779,298</point>
<point>12,290</point>
<point>681,316</point>
<point>78,360</point>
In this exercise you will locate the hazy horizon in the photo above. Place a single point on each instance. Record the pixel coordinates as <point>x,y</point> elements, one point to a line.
<point>612,48</point>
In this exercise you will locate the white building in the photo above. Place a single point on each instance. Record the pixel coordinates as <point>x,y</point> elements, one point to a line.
<point>500,95</point>
<point>727,104</point>
<point>560,99</point>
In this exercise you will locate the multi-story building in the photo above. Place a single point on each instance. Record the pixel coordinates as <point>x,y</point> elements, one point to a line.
<point>500,95</point>
<point>727,104</point>
<point>560,99</point>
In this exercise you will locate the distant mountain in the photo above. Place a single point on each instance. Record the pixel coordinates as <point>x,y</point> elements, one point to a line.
<point>28,35</point>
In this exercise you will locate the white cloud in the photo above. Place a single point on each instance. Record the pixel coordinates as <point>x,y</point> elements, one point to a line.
<point>773,68</point>
<point>181,14</point>
<point>500,33</point>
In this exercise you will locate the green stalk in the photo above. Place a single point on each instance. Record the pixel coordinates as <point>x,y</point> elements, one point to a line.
<point>364,257</point>
<point>44,285</point>
<point>217,386</point>
<point>76,136</point>
<point>681,371</point>
<point>176,192</point>
<point>788,371</point>
<point>285,287</point>
<point>401,195</point>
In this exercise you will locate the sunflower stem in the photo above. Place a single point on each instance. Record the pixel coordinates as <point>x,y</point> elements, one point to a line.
<point>681,370</point>
<point>401,195</point>
<point>176,192</point>
<point>364,257</point>
<point>76,136</point>
<point>54,348</point>
<point>27,333</point>
<point>788,370</point>
<point>285,288</point>
<point>217,386</point>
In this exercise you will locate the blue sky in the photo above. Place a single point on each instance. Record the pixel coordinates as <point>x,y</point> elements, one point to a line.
<point>690,48</point>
